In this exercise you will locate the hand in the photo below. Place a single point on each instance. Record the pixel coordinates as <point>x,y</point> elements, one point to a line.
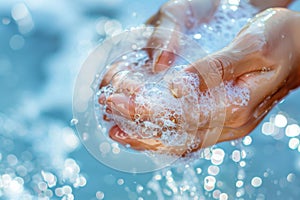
<point>261,63</point>
<point>263,58</point>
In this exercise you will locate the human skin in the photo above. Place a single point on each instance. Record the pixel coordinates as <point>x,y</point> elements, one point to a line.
<point>264,58</point>
<point>268,4</point>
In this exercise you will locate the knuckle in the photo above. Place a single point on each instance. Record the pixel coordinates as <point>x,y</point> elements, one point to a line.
<point>219,63</point>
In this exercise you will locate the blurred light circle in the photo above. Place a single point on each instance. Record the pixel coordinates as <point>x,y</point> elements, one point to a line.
<point>292,130</point>
<point>280,121</point>
<point>256,182</point>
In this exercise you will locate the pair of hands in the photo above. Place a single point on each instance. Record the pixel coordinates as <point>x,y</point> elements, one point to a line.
<point>264,59</point>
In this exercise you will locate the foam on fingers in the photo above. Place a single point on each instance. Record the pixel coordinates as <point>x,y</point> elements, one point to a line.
<point>169,107</point>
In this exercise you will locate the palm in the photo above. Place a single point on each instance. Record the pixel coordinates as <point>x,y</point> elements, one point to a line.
<point>220,97</point>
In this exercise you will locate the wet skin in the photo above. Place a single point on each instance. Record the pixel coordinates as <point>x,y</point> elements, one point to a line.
<point>264,58</point>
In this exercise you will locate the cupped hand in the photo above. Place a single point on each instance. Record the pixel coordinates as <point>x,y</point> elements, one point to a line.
<point>218,98</point>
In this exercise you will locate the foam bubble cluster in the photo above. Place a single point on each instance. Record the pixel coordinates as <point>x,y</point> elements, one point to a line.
<point>159,110</point>
<point>225,24</point>
<point>168,106</point>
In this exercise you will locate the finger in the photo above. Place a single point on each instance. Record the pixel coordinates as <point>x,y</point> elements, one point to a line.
<point>112,70</point>
<point>266,87</point>
<point>124,106</point>
<point>121,105</point>
<point>127,82</point>
<point>162,44</point>
<point>162,47</point>
<point>210,71</point>
<point>273,67</point>
<point>263,86</point>
<point>140,144</point>
<point>107,118</point>
<point>265,40</point>
<point>134,142</point>
<point>177,16</point>
<point>269,4</point>
<point>227,65</point>
<point>102,99</point>
<point>181,83</point>
<point>250,118</point>
<point>241,56</point>
<point>186,13</point>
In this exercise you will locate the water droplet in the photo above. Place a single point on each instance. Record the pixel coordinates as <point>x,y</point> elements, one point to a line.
<point>213,170</point>
<point>242,163</point>
<point>74,122</point>
<point>209,183</point>
<point>59,192</point>
<point>294,143</point>
<point>280,121</point>
<point>120,181</point>
<point>6,21</point>
<point>197,36</point>
<point>292,130</point>
<point>247,140</point>
<point>223,196</point>
<point>239,184</point>
<point>139,188</point>
<point>256,182</point>
<point>116,150</point>
<point>19,11</point>
<point>236,156</point>
<point>112,27</point>
<point>42,186</point>
<point>157,177</point>
<point>291,177</point>
<point>67,189</point>
<point>104,147</point>
<point>85,136</point>
<point>216,194</point>
<point>217,156</point>
<point>134,47</point>
<point>198,170</point>
<point>268,128</point>
<point>99,195</point>
<point>16,42</point>
<point>12,159</point>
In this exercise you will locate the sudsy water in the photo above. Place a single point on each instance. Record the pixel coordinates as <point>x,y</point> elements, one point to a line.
<point>223,171</point>
<point>172,117</point>
<point>40,155</point>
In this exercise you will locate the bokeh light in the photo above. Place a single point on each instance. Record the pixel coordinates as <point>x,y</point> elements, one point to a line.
<point>44,43</point>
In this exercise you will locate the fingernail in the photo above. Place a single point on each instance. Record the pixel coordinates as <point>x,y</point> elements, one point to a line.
<point>122,105</point>
<point>156,57</point>
<point>106,118</point>
<point>101,99</point>
<point>118,135</point>
<point>108,110</point>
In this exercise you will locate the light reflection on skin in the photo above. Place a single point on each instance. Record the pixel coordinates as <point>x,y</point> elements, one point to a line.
<point>257,59</point>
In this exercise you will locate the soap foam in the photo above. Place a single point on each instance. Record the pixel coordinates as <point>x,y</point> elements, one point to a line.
<point>169,106</point>
<point>223,27</point>
<point>178,108</point>
<point>167,120</point>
